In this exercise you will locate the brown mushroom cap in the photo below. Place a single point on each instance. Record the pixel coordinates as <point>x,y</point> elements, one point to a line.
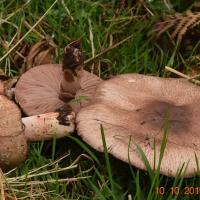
<point>133,107</point>
<point>13,148</point>
<point>37,90</point>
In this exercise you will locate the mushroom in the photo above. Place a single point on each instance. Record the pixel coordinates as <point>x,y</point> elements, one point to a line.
<point>132,108</point>
<point>13,148</point>
<point>37,90</point>
<point>46,88</point>
<point>14,131</point>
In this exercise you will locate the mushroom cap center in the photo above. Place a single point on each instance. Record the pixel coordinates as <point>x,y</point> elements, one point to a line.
<point>156,113</point>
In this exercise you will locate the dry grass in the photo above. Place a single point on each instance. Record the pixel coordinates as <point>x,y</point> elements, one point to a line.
<point>178,23</point>
<point>33,183</point>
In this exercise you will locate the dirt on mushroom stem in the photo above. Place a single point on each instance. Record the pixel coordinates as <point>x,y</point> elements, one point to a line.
<point>48,126</point>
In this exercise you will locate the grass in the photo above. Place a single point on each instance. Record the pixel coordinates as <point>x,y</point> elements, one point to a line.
<point>116,39</point>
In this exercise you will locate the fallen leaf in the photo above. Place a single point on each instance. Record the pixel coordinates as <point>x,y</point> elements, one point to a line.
<point>3,75</point>
<point>18,56</point>
<point>44,57</point>
<point>9,87</point>
<point>40,53</point>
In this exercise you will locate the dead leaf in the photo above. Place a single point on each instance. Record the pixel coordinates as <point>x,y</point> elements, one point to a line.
<point>7,84</point>
<point>9,87</point>
<point>40,53</point>
<point>26,56</point>
<point>3,75</point>
<point>44,57</point>
<point>18,56</point>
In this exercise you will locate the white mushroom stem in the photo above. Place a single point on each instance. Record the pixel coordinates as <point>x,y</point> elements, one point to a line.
<point>46,126</point>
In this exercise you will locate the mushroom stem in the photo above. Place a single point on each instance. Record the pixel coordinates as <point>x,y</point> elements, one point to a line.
<point>46,126</point>
<point>72,66</point>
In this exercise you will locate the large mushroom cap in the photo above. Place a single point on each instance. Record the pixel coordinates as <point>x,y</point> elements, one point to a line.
<point>13,148</point>
<point>132,108</point>
<point>37,90</point>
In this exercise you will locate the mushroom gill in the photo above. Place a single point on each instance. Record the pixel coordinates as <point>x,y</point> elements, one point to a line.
<point>47,88</point>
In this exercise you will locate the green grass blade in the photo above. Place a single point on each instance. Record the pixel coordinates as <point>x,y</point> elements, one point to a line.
<point>129,162</point>
<point>145,160</point>
<point>85,148</point>
<point>197,164</point>
<point>108,166</point>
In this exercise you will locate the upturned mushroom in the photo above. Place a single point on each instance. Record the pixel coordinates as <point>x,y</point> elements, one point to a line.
<point>44,89</point>
<point>131,108</point>
<point>16,131</point>
<point>49,87</point>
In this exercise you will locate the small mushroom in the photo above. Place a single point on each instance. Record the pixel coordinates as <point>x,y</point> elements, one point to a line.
<point>13,148</point>
<point>46,88</point>
<point>132,108</point>
<point>14,131</point>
